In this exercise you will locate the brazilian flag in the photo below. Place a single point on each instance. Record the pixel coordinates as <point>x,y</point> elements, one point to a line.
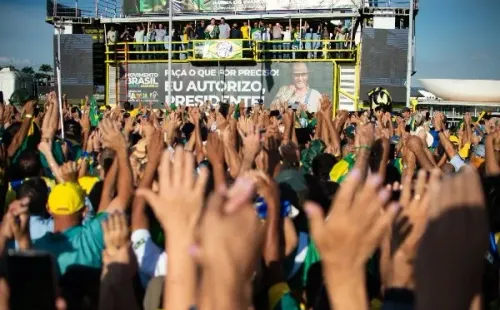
<point>342,168</point>
<point>94,114</point>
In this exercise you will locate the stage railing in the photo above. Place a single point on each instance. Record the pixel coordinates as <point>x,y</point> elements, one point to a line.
<point>232,50</point>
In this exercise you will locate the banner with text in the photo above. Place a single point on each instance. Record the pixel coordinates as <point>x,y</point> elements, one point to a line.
<point>196,6</point>
<point>217,49</point>
<point>278,82</point>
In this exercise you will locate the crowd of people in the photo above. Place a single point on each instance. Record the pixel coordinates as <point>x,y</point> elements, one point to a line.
<point>229,207</point>
<point>287,41</point>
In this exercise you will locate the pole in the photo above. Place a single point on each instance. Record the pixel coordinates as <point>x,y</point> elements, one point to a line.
<point>170,33</point>
<point>409,70</point>
<point>59,28</point>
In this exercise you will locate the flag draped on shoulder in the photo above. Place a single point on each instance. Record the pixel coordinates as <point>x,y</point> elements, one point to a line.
<point>342,168</point>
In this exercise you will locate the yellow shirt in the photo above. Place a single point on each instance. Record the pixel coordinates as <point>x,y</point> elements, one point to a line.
<point>134,112</point>
<point>464,151</point>
<point>245,32</point>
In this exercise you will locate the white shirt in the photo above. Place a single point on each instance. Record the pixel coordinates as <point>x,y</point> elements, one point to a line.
<point>287,35</point>
<point>151,259</point>
<point>112,36</point>
<point>160,35</point>
<point>139,36</point>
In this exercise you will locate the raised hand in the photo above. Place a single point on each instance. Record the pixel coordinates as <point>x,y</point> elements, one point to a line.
<point>112,136</point>
<point>116,239</point>
<point>365,135</point>
<point>180,198</point>
<point>400,245</point>
<point>448,270</point>
<point>17,218</point>
<point>215,149</point>
<point>356,223</point>
<point>69,171</point>
<point>50,121</point>
<point>250,137</point>
<point>350,234</point>
<point>231,238</point>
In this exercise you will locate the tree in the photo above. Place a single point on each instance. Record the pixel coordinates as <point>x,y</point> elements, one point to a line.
<point>44,73</point>
<point>47,69</point>
<point>28,70</point>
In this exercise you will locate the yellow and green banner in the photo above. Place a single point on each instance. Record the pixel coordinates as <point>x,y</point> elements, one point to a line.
<point>217,49</point>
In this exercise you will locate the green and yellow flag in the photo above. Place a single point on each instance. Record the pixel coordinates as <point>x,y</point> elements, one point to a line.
<point>94,114</point>
<point>342,168</point>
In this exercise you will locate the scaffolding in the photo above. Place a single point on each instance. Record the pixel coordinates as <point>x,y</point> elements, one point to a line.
<point>81,11</point>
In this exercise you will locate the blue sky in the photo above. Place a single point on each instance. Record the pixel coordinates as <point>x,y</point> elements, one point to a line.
<point>455,38</point>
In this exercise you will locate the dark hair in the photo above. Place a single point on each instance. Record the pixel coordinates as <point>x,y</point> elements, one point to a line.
<point>10,132</point>
<point>28,165</point>
<point>73,129</point>
<point>127,106</point>
<point>322,165</point>
<point>37,191</point>
<point>76,110</point>
<point>187,130</point>
<point>106,159</point>
<point>95,194</point>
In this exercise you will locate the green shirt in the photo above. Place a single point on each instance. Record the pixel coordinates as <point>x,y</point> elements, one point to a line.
<point>79,245</point>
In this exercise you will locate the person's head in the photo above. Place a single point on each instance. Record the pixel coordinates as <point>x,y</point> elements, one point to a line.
<point>36,190</point>
<point>245,24</point>
<point>28,165</point>
<point>112,28</point>
<point>66,204</point>
<point>322,165</point>
<point>300,75</point>
<point>202,23</point>
<point>127,106</point>
<point>212,21</point>
<point>290,154</point>
<point>222,20</point>
<point>255,24</point>
<point>406,113</point>
<point>235,25</point>
<point>73,130</point>
<point>75,113</point>
<point>160,26</point>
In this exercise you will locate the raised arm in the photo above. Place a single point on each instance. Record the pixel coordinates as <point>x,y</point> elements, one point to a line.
<point>18,139</point>
<point>114,139</point>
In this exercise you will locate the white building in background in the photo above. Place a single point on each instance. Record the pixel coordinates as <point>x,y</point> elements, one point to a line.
<point>456,97</point>
<point>12,80</point>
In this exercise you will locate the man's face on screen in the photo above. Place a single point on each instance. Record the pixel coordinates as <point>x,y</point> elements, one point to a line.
<point>300,80</point>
